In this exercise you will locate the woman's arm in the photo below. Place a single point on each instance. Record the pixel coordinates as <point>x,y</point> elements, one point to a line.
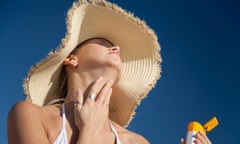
<point>25,125</point>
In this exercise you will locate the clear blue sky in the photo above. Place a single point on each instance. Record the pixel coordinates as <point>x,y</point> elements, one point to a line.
<point>200,43</point>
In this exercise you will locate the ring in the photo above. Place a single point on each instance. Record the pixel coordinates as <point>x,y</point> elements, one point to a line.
<point>92,96</point>
<point>77,102</point>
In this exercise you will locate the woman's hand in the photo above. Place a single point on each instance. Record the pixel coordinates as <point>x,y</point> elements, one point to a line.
<point>200,139</point>
<point>91,114</point>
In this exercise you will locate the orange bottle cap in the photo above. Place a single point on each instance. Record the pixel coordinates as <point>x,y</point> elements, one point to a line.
<point>211,124</point>
<point>208,126</point>
<point>196,126</point>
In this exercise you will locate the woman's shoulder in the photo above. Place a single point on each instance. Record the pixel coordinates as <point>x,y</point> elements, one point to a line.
<point>22,111</point>
<point>25,124</point>
<point>25,107</point>
<point>130,137</point>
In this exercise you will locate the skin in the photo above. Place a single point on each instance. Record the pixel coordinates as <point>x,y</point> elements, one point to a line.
<point>94,68</point>
<point>201,138</point>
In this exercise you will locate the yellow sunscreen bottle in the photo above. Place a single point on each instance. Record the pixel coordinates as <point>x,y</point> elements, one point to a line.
<point>195,127</point>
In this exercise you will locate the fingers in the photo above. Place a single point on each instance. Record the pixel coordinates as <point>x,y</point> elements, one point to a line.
<point>107,101</point>
<point>78,102</point>
<point>100,91</point>
<point>96,87</point>
<point>202,139</point>
<point>105,93</point>
<point>182,141</point>
<point>89,110</point>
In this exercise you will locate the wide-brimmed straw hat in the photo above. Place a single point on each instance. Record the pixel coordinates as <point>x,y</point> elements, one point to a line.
<point>140,53</point>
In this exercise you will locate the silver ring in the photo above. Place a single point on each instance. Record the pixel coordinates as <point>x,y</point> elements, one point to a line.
<point>77,102</point>
<point>92,96</point>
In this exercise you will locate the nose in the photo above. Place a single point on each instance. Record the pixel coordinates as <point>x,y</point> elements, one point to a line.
<point>115,48</point>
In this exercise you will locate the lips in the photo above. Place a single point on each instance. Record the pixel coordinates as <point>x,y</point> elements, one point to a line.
<point>116,53</point>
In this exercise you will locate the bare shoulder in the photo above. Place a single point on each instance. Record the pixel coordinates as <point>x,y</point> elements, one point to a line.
<point>130,137</point>
<point>23,110</point>
<point>25,123</point>
<point>135,138</point>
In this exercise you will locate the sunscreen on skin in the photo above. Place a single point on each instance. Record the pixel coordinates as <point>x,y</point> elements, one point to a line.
<point>195,127</point>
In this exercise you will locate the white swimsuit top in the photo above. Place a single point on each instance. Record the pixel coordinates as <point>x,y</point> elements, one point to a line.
<point>62,137</point>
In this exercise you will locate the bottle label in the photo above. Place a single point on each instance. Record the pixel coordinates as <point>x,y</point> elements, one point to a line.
<point>190,137</point>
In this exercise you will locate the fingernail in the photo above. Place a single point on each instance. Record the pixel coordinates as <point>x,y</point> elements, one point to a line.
<point>197,134</point>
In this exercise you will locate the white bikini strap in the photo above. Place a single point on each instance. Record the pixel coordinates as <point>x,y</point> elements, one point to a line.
<point>55,101</point>
<point>115,133</point>
<point>63,113</point>
<point>63,116</point>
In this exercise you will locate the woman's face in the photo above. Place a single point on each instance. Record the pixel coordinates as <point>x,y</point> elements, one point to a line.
<point>99,53</point>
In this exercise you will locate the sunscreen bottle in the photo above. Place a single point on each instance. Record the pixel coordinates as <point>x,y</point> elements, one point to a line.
<point>195,127</point>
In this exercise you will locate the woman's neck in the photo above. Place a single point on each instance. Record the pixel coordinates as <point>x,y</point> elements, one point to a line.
<point>83,80</point>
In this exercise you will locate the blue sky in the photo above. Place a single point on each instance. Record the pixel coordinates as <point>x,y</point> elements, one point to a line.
<point>200,46</point>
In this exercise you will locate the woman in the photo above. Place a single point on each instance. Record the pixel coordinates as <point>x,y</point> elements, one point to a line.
<point>86,91</point>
